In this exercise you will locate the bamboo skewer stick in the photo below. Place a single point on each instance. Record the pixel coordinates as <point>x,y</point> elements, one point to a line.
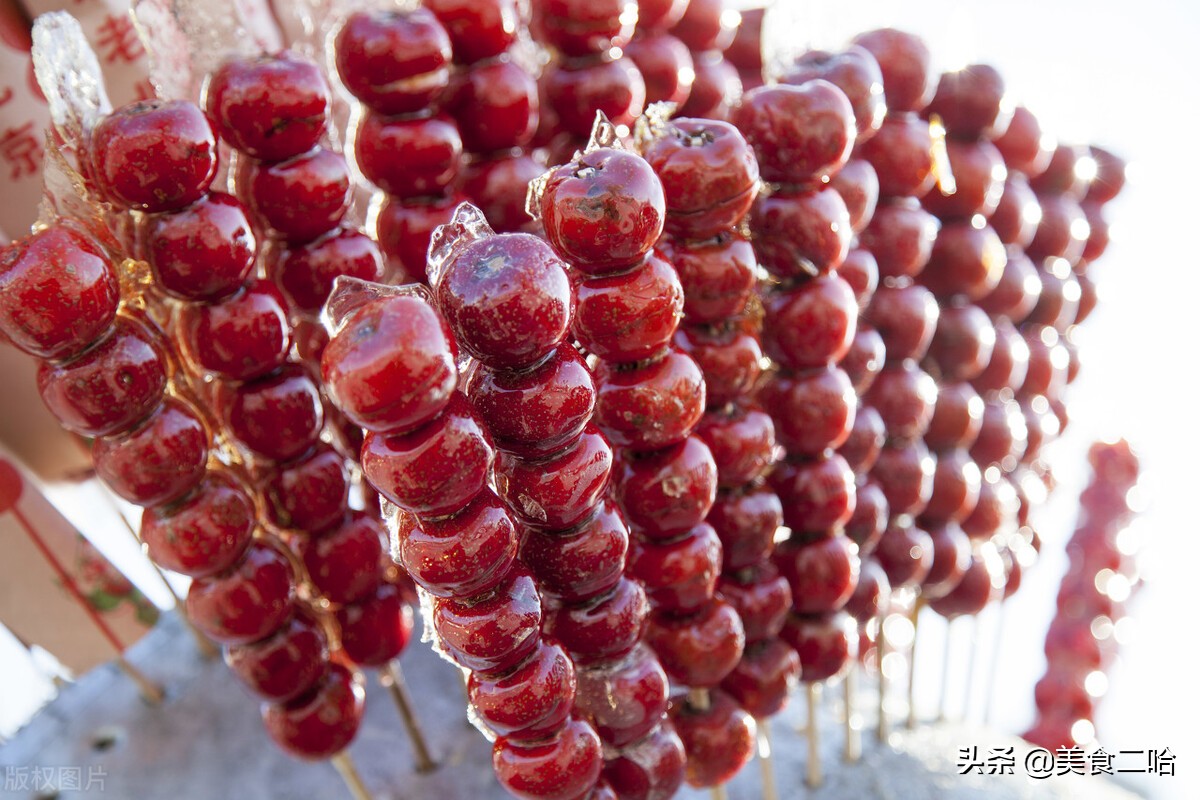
<point>770,792</point>
<point>203,643</point>
<point>813,776</point>
<point>393,680</point>
<point>151,692</point>
<point>912,667</point>
<point>881,728</point>
<point>968,688</point>
<point>994,667</point>
<point>853,748</point>
<point>349,772</point>
<point>941,715</point>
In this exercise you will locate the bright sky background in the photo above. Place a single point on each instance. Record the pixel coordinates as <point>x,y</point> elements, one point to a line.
<point>1123,75</point>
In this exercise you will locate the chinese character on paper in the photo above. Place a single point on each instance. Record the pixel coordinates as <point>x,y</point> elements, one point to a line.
<point>117,39</point>
<point>21,151</point>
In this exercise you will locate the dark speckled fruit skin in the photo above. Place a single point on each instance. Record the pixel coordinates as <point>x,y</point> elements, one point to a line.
<point>303,197</point>
<point>699,649</point>
<point>668,492</point>
<point>717,275</point>
<point>204,251</point>
<point>58,293</point>
<point>273,107</point>
<point>507,298</point>
<point>158,462</point>
<point>111,387</point>
<point>629,316</point>
<point>709,174</point>
<point>464,555</point>
<point>206,533</point>
<point>309,494</point>
<point>494,633</point>
<point>640,683</point>
<point>558,492</point>
<point>530,702</point>
<point>246,603</point>
<point>679,575</point>
<point>240,337</point>
<point>635,211</point>
<point>585,562</point>
<point>603,629</point>
<point>435,470</point>
<point>801,235</point>
<point>321,722</point>
<point>812,325</point>
<point>563,767</point>
<point>534,413</point>
<point>154,155</point>
<point>719,740</point>
<point>650,407</point>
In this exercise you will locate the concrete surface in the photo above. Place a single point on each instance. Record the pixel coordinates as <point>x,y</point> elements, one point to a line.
<point>206,742</point>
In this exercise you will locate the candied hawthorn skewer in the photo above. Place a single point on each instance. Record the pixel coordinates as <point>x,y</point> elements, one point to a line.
<point>509,299</point>
<point>856,72</point>
<point>495,102</point>
<point>398,64</point>
<point>708,28</point>
<point>801,228</point>
<point>1102,570</point>
<point>710,180</point>
<point>59,303</point>
<point>968,513</point>
<point>202,522</point>
<point>299,192</point>
<point>245,583</point>
<point>893,165</point>
<point>650,397</point>
<point>588,73</point>
<point>391,367</point>
<point>238,332</point>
